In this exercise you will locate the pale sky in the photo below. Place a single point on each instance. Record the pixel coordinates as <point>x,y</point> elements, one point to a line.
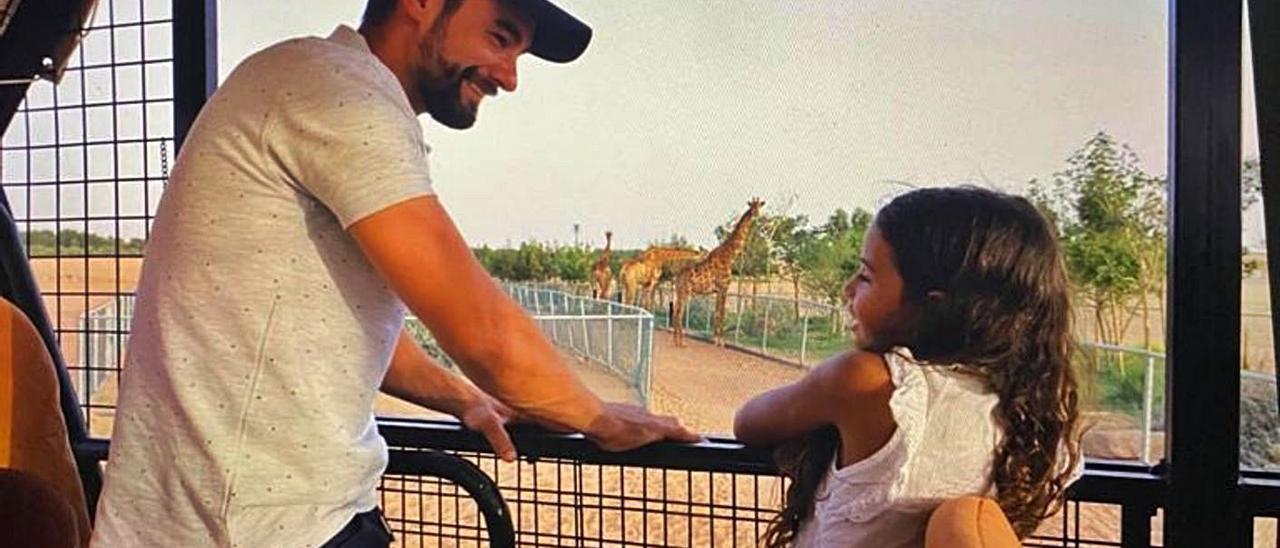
<point>681,111</point>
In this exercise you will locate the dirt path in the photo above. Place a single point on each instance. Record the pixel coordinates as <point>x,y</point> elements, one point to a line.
<point>704,385</point>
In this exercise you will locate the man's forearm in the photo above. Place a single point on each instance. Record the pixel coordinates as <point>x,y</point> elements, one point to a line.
<point>414,377</point>
<point>418,250</point>
<point>534,379</point>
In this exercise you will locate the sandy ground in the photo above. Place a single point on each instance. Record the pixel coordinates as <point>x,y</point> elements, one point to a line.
<point>703,386</point>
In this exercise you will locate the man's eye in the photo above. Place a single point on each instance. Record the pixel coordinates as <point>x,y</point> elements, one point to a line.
<point>501,39</point>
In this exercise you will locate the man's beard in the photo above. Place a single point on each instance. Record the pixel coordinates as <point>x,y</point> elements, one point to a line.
<point>442,95</point>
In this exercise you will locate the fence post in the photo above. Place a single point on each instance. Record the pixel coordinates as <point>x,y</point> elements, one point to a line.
<point>586,335</point>
<point>639,372</point>
<point>711,312</point>
<point>555,326</point>
<point>764,334</point>
<point>1147,381</point>
<point>84,338</point>
<point>609,332</point>
<point>568,326</point>
<point>648,362</point>
<point>804,338</point>
<point>737,324</point>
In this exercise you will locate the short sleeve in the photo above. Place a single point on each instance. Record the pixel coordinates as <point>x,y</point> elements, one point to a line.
<point>345,135</point>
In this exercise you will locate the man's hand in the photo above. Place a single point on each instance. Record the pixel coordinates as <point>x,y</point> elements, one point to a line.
<point>489,417</point>
<point>624,426</point>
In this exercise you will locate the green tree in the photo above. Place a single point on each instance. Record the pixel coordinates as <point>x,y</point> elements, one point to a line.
<point>74,243</point>
<point>828,255</point>
<point>572,263</point>
<point>1111,218</point>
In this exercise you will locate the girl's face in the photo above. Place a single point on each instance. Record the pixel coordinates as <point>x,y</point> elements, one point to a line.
<point>874,297</point>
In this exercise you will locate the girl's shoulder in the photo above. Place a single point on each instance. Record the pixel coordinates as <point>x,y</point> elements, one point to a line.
<point>857,372</point>
<point>905,369</point>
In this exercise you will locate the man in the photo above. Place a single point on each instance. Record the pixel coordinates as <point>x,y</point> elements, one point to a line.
<point>300,216</point>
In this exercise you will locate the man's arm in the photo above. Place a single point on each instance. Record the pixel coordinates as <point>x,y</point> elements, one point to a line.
<point>418,250</point>
<point>415,377</point>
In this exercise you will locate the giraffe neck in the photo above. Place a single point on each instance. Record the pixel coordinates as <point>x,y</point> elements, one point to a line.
<point>729,248</point>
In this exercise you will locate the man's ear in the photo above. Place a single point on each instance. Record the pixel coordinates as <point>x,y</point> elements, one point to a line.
<point>421,12</point>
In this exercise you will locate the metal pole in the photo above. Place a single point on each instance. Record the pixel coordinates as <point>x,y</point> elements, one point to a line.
<point>586,335</point>
<point>609,331</point>
<point>639,367</point>
<point>804,338</point>
<point>737,324</point>
<point>1203,506</point>
<point>764,335</point>
<point>1147,381</point>
<point>710,320</point>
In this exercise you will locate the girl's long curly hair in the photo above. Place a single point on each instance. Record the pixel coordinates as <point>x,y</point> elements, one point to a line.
<point>1005,310</point>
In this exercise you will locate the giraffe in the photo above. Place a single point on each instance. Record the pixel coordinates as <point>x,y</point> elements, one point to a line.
<point>639,275</point>
<point>712,275</point>
<point>601,273</point>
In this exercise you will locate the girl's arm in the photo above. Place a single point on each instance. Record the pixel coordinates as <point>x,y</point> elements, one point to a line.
<point>850,390</point>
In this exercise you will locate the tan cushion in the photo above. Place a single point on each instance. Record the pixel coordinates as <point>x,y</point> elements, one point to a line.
<point>969,522</point>
<point>33,435</point>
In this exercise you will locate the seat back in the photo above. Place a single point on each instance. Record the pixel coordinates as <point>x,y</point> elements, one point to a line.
<point>18,287</point>
<point>35,451</point>
<point>969,522</point>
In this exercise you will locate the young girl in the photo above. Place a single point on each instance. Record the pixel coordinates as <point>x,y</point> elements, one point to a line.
<point>960,383</point>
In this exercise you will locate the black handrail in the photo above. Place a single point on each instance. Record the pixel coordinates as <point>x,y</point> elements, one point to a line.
<point>423,462</point>
<point>497,517</point>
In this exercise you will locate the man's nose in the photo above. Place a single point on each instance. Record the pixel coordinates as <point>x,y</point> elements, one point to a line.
<point>504,73</point>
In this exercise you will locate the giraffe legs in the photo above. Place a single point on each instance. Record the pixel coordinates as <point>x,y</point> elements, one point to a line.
<point>628,291</point>
<point>647,295</point>
<point>722,294</point>
<point>677,315</point>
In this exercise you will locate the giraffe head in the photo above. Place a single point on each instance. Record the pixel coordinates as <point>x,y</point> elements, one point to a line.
<point>754,206</point>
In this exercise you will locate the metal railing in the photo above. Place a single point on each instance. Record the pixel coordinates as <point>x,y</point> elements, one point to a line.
<point>797,331</point>
<point>801,332</point>
<point>566,492</point>
<point>101,337</point>
<point>617,337</point>
<point>1124,385</point>
<point>1108,375</point>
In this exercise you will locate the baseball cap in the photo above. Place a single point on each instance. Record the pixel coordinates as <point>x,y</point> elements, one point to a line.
<point>558,36</point>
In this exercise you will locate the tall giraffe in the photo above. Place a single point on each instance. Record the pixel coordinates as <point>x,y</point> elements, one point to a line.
<point>639,275</point>
<point>601,273</point>
<point>712,275</point>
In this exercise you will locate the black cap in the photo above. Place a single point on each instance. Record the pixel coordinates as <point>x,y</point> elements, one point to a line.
<point>557,36</point>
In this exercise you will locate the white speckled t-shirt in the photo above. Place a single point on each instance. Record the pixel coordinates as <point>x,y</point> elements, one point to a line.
<point>261,332</point>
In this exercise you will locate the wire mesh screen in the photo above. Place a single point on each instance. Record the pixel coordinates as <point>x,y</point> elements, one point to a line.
<point>565,502</point>
<point>567,494</point>
<point>1082,524</point>
<point>83,165</point>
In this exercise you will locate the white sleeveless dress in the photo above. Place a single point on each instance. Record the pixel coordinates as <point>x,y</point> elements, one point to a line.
<point>943,448</point>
